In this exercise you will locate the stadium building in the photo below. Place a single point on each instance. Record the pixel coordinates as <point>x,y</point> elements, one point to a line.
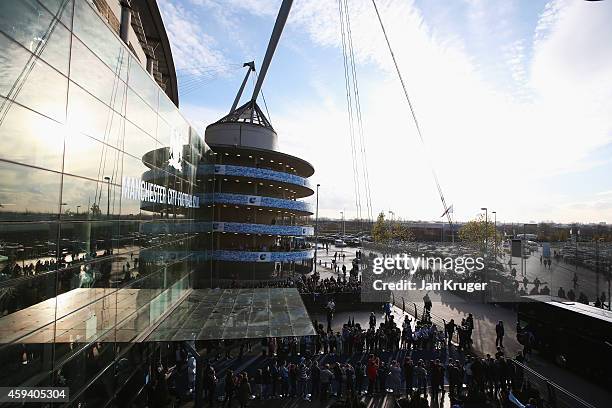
<point>106,234</point>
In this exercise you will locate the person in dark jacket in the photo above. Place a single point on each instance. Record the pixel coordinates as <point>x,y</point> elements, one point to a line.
<point>230,387</point>
<point>244,390</point>
<point>499,334</point>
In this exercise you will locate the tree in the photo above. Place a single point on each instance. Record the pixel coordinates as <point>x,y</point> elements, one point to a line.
<point>95,210</point>
<point>473,232</point>
<point>401,232</point>
<point>383,230</point>
<point>380,229</point>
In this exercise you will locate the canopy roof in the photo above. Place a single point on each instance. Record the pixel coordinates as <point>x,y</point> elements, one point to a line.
<point>209,314</point>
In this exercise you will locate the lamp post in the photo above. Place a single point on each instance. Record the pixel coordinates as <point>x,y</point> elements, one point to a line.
<point>495,232</point>
<point>343,230</point>
<point>316,229</point>
<point>107,196</point>
<point>486,228</point>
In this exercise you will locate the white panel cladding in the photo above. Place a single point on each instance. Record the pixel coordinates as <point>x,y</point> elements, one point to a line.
<point>242,134</point>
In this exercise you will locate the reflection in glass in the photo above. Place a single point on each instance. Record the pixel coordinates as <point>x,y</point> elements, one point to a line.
<point>27,193</point>
<point>30,138</point>
<point>93,75</point>
<point>138,144</point>
<point>37,31</point>
<point>140,81</point>
<point>90,29</point>
<point>97,200</point>
<point>43,89</point>
<point>140,113</point>
<point>91,158</point>
<point>88,115</point>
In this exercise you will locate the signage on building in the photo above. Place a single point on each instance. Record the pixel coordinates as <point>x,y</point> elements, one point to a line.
<point>254,200</point>
<point>176,150</point>
<point>264,257</point>
<point>133,188</point>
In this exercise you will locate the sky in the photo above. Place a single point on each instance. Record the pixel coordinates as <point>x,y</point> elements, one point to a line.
<point>513,98</point>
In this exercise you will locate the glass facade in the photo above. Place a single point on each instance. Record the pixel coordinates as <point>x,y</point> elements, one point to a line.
<point>98,173</point>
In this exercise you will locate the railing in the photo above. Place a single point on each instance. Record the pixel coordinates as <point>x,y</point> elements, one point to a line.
<point>418,312</point>
<point>550,394</point>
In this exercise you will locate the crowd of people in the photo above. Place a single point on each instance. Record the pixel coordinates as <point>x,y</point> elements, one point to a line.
<point>314,284</point>
<point>412,360</point>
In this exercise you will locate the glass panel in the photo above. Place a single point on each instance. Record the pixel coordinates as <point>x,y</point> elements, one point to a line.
<point>65,6</point>
<point>90,29</point>
<point>91,197</point>
<point>91,74</point>
<point>27,193</point>
<point>14,61</point>
<point>140,113</point>
<point>144,85</point>
<point>31,25</point>
<point>91,158</point>
<point>30,138</point>
<point>88,115</point>
<point>31,82</point>
<point>138,144</point>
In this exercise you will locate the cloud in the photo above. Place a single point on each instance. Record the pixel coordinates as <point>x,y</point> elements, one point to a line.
<point>476,130</point>
<point>193,49</point>
<point>491,142</point>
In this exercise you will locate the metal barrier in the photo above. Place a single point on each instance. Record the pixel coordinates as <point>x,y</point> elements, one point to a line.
<point>531,382</point>
<point>550,394</point>
<point>408,307</point>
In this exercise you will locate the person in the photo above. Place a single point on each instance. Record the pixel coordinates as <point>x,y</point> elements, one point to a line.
<point>437,378</point>
<point>561,292</point>
<point>372,320</point>
<point>244,390</point>
<point>408,374</point>
<point>257,380</point>
<point>450,330</point>
<point>597,302</point>
<point>427,303</point>
<point>326,377</point>
<point>210,383</point>
<point>387,309</point>
<point>350,379</point>
<point>229,388</point>
<point>575,280</point>
<point>331,307</point>
<point>499,333</point>
<point>421,378</point>
<point>302,380</point>
<point>338,373</point>
<point>315,380</point>
<point>395,376</point>
<point>359,376</point>
<point>454,378</point>
<point>372,373</point>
